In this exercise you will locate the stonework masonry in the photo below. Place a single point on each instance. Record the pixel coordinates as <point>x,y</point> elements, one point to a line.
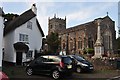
<point>78,38</point>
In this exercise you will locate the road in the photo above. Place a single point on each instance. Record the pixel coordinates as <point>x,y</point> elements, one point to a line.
<point>18,73</point>
<point>76,76</point>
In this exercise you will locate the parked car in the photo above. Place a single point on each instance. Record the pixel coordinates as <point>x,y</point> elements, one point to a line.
<point>3,76</point>
<point>81,64</point>
<point>54,65</point>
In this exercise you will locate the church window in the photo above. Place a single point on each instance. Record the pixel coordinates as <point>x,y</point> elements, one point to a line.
<point>63,45</point>
<point>71,45</point>
<point>80,44</point>
<point>60,25</point>
<point>90,43</point>
<point>50,26</point>
<point>107,40</point>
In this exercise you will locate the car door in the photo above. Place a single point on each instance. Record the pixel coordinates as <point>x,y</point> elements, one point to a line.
<point>39,65</point>
<point>52,63</point>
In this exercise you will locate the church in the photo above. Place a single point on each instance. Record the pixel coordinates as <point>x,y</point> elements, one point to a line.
<point>85,36</point>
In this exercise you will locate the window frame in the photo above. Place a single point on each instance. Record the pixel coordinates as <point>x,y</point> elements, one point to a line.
<point>29,25</point>
<point>29,54</point>
<point>23,37</point>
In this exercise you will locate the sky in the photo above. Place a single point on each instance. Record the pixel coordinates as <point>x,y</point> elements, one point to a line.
<point>76,11</point>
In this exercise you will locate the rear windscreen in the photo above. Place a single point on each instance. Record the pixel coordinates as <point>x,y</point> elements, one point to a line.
<point>67,60</point>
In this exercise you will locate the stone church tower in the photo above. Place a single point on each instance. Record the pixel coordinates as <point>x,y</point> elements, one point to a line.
<point>56,24</point>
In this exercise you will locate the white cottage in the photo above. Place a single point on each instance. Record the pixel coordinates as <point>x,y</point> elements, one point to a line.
<point>1,35</point>
<point>22,37</point>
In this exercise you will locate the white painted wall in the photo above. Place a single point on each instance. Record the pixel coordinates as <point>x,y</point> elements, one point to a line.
<point>35,40</point>
<point>1,38</point>
<point>9,54</point>
<point>35,37</point>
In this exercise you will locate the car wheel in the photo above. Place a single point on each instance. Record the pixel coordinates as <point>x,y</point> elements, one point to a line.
<point>29,71</point>
<point>56,74</point>
<point>78,69</point>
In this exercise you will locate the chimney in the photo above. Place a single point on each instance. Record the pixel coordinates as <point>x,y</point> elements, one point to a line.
<point>34,9</point>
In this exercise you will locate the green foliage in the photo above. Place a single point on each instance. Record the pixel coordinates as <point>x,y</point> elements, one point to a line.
<point>53,42</point>
<point>119,31</point>
<point>89,50</point>
<point>118,43</point>
<point>9,16</point>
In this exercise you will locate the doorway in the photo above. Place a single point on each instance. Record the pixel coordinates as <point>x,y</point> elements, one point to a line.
<point>18,58</point>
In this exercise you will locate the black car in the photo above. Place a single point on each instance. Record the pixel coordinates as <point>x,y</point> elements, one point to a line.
<point>52,65</point>
<point>81,64</point>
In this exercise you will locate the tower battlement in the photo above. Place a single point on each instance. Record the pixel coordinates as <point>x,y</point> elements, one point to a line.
<point>56,24</point>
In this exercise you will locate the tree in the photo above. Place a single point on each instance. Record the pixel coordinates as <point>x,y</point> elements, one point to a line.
<point>10,16</point>
<point>53,42</point>
<point>119,32</point>
<point>118,43</point>
<point>89,51</point>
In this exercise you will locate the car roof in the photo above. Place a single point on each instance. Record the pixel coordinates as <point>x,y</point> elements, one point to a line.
<point>57,55</point>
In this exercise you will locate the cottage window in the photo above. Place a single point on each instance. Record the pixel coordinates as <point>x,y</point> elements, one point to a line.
<point>23,37</point>
<point>29,54</point>
<point>29,25</point>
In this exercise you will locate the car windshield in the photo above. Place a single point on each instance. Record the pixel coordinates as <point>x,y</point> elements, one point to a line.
<point>79,58</point>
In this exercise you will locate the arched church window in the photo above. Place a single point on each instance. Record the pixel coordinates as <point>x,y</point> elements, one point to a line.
<point>106,40</point>
<point>63,45</point>
<point>71,44</point>
<point>90,43</point>
<point>50,26</point>
<point>80,43</point>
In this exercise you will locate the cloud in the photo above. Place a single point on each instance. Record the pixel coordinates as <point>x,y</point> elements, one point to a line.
<point>77,13</point>
<point>43,15</point>
<point>81,14</point>
<point>88,13</point>
<point>60,0</point>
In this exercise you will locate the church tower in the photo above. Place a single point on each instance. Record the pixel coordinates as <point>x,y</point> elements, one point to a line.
<point>56,24</point>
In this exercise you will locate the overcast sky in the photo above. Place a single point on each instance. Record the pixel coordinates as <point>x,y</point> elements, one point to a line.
<point>77,12</point>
